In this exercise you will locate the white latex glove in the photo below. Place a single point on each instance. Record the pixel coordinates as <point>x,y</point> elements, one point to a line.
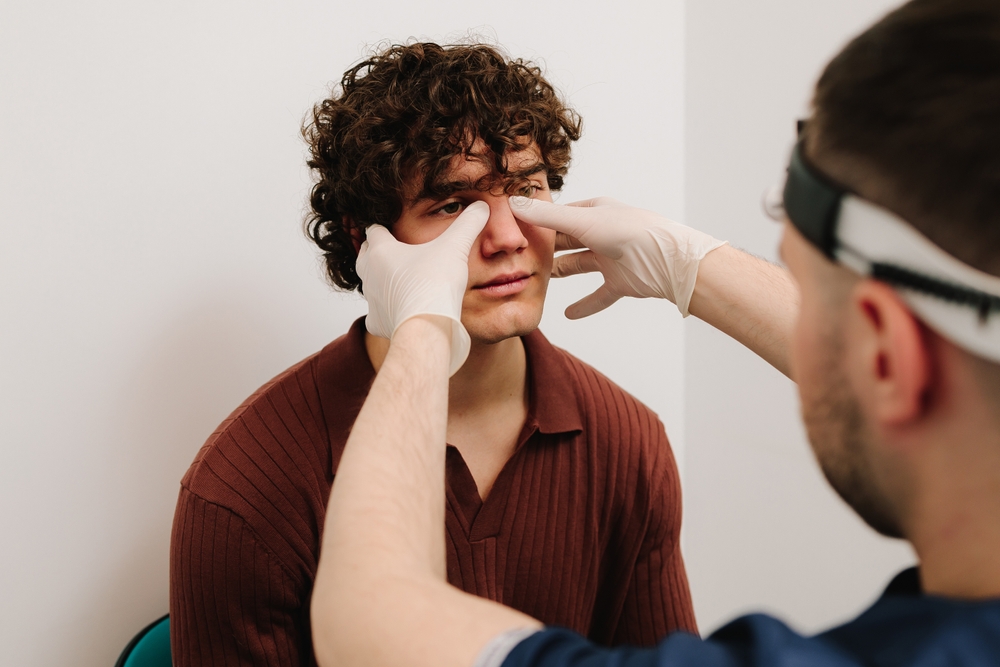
<point>402,280</point>
<point>641,254</point>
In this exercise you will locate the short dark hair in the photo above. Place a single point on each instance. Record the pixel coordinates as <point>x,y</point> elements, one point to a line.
<point>908,115</point>
<point>404,113</point>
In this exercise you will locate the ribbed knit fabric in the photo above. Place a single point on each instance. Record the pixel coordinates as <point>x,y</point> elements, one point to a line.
<point>580,529</point>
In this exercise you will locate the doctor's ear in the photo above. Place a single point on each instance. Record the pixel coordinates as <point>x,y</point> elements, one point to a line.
<point>890,354</point>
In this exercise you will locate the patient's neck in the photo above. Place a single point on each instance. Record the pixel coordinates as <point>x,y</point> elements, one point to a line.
<point>492,374</point>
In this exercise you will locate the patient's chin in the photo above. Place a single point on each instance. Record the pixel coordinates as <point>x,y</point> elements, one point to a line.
<point>505,323</point>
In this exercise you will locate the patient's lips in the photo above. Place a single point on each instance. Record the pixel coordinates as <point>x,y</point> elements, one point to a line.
<point>506,284</point>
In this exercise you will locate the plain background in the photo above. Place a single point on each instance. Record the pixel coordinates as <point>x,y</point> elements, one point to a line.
<point>153,273</point>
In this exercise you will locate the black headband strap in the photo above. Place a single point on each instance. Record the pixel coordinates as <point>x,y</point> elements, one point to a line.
<point>812,203</point>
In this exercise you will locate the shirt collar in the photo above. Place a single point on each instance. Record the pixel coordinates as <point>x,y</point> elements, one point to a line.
<point>553,401</point>
<point>346,375</point>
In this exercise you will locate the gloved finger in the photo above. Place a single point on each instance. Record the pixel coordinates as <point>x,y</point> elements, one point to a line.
<point>573,221</point>
<point>592,303</point>
<point>567,242</point>
<point>574,263</point>
<point>462,233</point>
<point>595,202</point>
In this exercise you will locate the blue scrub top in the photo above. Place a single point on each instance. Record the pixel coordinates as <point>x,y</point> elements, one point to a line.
<point>903,628</point>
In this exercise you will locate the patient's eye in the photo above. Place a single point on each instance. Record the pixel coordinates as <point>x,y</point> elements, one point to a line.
<point>450,208</point>
<point>529,190</point>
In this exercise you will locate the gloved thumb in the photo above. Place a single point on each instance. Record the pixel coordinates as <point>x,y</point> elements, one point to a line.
<point>462,233</point>
<point>592,303</point>
<point>378,234</point>
<point>377,237</point>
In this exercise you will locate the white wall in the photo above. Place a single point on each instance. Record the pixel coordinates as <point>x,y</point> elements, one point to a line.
<point>153,273</point>
<point>763,530</point>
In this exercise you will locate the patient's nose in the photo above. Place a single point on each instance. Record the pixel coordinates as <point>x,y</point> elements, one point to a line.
<point>502,232</point>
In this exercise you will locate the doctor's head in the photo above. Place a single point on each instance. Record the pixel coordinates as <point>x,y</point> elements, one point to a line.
<point>904,421</point>
<point>416,133</point>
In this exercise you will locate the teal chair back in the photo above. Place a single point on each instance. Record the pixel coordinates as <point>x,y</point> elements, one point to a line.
<point>149,648</point>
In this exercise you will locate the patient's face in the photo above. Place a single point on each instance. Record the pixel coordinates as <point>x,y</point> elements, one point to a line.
<point>510,262</point>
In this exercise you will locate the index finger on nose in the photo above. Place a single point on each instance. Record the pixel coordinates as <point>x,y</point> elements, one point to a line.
<point>569,220</point>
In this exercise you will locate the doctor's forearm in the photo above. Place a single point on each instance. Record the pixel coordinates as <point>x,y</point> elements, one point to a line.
<point>381,596</point>
<point>385,520</point>
<point>749,299</point>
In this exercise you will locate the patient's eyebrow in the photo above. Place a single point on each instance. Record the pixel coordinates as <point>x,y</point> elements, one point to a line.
<point>445,189</point>
<point>530,170</point>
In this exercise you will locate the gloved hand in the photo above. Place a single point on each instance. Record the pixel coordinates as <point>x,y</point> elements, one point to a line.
<point>402,281</point>
<point>640,253</point>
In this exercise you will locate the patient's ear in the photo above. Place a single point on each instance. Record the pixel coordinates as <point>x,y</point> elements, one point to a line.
<point>891,358</point>
<point>356,232</point>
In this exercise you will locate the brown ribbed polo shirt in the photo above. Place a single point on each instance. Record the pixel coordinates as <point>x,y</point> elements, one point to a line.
<point>580,529</point>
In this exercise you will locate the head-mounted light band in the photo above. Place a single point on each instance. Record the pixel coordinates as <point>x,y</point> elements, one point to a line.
<point>812,203</point>
<point>950,296</point>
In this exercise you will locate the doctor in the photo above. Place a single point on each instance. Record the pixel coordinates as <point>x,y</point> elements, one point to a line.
<point>891,213</point>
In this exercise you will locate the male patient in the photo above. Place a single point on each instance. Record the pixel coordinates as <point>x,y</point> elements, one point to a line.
<point>562,493</point>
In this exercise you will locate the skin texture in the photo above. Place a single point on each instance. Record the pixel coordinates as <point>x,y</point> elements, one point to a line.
<point>833,418</point>
<point>510,263</point>
<point>750,299</point>
<point>899,422</point>
<point>509,269</point>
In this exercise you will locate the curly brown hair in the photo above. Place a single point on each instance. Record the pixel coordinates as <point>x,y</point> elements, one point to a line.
<point>405,113</point>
